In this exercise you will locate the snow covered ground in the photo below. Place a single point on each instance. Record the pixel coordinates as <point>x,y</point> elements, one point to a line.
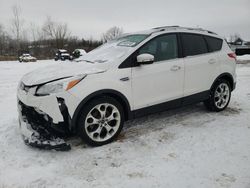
<point>244,57</point>
<point>187,147</point>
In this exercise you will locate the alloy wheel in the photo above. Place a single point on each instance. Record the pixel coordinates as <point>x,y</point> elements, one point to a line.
<point>102,122</point>
<point>222,95</point>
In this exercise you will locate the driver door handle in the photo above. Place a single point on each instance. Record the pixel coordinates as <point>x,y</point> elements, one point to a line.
<point>175,68</point>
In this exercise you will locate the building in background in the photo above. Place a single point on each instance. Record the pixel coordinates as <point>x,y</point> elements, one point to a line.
<point>240,46</point>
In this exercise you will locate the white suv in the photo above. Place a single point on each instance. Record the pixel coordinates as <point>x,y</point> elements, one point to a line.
<point>134,75</point>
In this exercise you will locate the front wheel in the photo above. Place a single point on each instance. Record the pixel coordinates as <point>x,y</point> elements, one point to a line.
<point>219,97</point>
<point>100,121</point>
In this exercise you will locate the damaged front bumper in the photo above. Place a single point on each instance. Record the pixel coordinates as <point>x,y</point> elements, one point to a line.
<point>37,131</point>
<point>45,121</point>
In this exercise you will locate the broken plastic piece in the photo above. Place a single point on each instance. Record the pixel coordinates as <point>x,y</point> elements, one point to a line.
<point>53,143</point>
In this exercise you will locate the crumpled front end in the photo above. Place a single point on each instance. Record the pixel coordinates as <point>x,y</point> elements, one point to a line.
<point>45,120</point>
<point>36,129</point>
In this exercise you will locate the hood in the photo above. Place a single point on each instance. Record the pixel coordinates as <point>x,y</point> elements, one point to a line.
<point>62,70</point>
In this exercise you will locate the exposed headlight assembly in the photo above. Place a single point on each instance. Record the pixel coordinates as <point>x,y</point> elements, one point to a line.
<point>59,85</point>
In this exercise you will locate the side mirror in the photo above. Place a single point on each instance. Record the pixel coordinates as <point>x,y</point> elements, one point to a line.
<point>145,59</point>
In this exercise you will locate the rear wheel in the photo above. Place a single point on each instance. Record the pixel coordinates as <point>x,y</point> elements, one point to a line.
<point>101,121</point>
<point>219,97</point>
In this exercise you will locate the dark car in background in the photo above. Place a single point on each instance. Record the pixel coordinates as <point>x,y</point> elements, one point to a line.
<point>63,55</point>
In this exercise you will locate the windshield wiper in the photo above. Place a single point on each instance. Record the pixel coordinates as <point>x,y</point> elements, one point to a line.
<point>85,61</point>
<point>88,61</point>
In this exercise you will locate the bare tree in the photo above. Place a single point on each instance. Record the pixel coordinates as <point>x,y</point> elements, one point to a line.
<point>49,28</point>
<point>6,43</point>
<point>16,25</point>
<point>1,29</point>
<point>2,39</point>
<point>40,41</point>
<point>35,30</point>
<point>56,31</point>
<point>112,33</point>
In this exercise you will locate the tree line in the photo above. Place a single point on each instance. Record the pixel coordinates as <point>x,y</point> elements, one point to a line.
<point>42,41</point>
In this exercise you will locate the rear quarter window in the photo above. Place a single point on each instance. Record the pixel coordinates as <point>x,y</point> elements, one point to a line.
<point>193,44</point>
<point>214,44</point>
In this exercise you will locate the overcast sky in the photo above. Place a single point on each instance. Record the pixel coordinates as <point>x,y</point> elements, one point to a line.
<point>88,18</point>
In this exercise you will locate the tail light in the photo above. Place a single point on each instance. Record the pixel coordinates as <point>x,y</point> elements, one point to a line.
<point>232,55</point>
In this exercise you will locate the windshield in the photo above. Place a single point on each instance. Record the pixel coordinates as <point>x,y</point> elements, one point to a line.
<point>131,40</point>
<point>113,50</point>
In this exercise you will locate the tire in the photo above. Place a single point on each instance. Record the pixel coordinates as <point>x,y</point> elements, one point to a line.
<point>100,121</point>
<point>220,96</point>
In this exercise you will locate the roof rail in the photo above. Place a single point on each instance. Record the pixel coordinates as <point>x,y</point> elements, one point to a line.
<point>163,28</point>
<point>199,29</point>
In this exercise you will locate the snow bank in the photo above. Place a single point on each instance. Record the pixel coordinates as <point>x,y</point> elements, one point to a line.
<point>244,57</point>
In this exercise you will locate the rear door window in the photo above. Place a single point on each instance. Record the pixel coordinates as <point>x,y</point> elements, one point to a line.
<point>193,44</point>
<point>214,44</point>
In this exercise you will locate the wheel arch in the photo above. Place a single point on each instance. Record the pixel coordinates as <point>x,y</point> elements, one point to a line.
<point>226,76</point>
<point>106,92</point>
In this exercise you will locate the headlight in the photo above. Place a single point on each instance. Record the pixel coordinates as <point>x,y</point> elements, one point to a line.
<point>59,85</point>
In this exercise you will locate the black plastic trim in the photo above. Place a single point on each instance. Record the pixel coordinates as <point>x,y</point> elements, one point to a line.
<point>180,48</point>
<point>199,97</point>
<point>195,98</point>
<point>66,124</point>
<point>157,108</point>
<point>232,81</point>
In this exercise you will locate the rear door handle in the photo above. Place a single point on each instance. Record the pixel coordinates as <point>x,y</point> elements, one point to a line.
<point>175,68</point>
<point>212,61</point>
<point>125,79</point>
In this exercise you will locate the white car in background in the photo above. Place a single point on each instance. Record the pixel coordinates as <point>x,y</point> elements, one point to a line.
<point>135,75</point>
<point>27,58</point>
